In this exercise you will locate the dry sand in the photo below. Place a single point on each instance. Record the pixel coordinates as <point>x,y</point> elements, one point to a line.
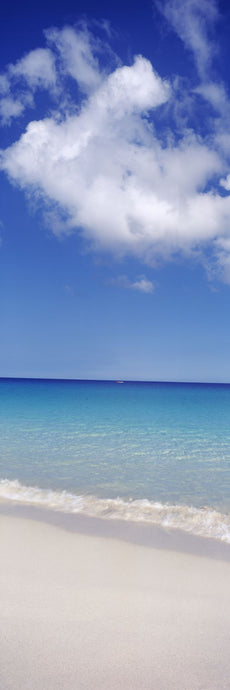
<point>89,611</point>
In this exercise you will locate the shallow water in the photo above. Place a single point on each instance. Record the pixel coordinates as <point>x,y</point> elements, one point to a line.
<point>162,449</point>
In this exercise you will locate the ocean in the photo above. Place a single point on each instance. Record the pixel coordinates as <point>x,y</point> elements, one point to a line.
<point>150,452</point>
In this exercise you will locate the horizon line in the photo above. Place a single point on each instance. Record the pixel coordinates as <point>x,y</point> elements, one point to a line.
<point>113,380</point>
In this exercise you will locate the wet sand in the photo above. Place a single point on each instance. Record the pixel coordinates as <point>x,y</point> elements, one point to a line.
<point>87,605</point>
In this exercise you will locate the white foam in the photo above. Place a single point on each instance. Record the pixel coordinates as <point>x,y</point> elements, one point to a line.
<point>204,521</point>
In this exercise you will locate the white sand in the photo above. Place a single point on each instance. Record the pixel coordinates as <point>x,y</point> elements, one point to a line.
<point>90,612</point>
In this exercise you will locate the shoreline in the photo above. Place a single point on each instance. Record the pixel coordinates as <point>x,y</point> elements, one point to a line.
<point>84,605</point>
<point>205,521</point>
<point>140,533</point>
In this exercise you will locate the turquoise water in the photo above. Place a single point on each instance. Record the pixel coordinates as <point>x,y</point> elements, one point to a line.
<point>149,451</point>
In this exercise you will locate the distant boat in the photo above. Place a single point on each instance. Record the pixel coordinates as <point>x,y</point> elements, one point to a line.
<point>119,381</point>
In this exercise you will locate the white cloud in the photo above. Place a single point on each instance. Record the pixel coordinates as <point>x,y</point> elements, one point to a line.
<point>192,20</point>
<point>225,182</point>
<point>76,53</point>
<point>132,89</point>
<point>97,161</point>
<point>9,108</point>
<point>4,84</point>
<point>142,284</point>
<point>215,94</point>
<point>37,68</point>
<point>107,169</point>
<point>112,177</point>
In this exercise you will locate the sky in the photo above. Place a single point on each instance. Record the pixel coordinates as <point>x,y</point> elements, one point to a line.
<point>115,190</point>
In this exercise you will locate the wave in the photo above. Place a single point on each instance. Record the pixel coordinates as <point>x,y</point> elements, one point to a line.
<point>204,522</point>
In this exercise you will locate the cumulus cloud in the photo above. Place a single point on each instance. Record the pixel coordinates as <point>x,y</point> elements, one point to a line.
<point>106,167</point>
<point>37,68</point>
<point>96,164</point>
<point>70,53</point>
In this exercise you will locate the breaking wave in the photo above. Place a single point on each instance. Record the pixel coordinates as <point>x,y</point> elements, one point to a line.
<point>204,522</point>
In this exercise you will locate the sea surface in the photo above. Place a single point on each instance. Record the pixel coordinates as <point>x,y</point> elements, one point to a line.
<point>154,452</point>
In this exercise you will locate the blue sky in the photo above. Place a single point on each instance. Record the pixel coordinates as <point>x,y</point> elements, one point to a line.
<point>115,190</point>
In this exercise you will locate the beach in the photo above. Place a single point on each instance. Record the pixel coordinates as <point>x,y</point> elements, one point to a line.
<point>88,603</point>
<point>115,533</point>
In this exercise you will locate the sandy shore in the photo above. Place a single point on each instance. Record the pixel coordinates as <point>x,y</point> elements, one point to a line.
<point>89,610</point>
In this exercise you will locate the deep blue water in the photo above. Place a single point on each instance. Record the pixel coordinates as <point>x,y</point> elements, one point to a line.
<point>163,442</point>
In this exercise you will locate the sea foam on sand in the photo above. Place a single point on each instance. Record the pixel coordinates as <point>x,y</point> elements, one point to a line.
<point>82,611</point>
